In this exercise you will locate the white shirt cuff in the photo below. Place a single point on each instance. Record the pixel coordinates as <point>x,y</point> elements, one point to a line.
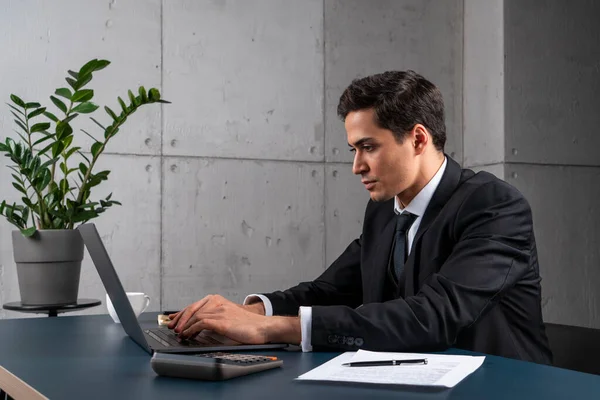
<point>306,328</point>
<point>264,299</point>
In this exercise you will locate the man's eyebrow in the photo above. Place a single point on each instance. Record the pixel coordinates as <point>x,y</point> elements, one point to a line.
<point>361,141</point>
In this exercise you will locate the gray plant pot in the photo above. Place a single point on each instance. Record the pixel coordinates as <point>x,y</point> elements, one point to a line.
<point>48,266</point>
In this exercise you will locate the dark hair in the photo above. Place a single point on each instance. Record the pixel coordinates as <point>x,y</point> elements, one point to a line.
<point>400,99</point>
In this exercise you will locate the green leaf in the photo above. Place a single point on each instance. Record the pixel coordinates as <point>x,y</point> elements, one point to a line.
<point>25,215</point>
<point>46,180</point>
<point>101,64</point>
<point>163,101</point>
<point>83,80</point>
<point>123,105</point>
<point>111,113</point>
<point>22,137</point>
<point>4,147</point>
<point>86,108</point>
<point>143,95</point>
<point>15,99</point>
<point>103,175</point>
<point>94,181</point>
<point>42,140</point>
<point>48,147</point>
<point>96,147</point>
<point>134,101</point>
<point>71,151</point>
<point>84,157</point>
<point>83,168</point>
<point>110,132</point>
<point>88,67</point>
<point>21,125</point>
<point>42,126</point>
<point>61,106</point>
<point>28,232</point>
<point>82,95</point>
<point>16,178</point>
<point>51,116</point>
<point>27,202</point>
<point>98,123</point>
<point>70,118</point>
<point>64,92</point>
<point>72,83</point>
<point>68,140</point>
<point>154,94</point>
<point>16,109</point>
<point>63,129</point>
<point>84,216</point>
<point>32,105</point>
<point>57,148</point>
<point>19,188</point>
<point>73,74</point>
<point>90,135</point>
<point>36,112</point>
<point>18,117</point>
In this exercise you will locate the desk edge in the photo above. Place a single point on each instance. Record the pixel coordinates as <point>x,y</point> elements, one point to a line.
<point>17,388</point>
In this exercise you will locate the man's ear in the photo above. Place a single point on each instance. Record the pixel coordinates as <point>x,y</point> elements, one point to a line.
<point>420,138</point>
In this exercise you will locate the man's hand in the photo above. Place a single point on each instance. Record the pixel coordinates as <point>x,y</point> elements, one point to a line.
<point>244,324</point>
<point>257,307</point>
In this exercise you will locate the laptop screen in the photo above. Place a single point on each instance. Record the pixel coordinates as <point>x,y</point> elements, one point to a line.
<point>112,284</point>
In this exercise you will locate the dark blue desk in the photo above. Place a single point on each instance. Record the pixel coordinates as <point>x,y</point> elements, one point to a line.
<point>91,357</point>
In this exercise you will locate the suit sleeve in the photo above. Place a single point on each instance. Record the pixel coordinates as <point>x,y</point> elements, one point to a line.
<point>492,231</point>
<point>339,284</point>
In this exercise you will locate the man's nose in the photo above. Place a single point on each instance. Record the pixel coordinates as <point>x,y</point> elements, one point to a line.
<point>358,166</point>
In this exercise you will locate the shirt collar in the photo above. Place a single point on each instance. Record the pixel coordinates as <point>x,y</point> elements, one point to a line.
<point>419,204</point>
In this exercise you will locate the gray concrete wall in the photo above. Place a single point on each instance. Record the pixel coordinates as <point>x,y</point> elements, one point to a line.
<point>244,183</point>
<point>552,100</point>
<point>483,78</point>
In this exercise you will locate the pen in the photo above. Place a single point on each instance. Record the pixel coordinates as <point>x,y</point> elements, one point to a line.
<point>385,362</point>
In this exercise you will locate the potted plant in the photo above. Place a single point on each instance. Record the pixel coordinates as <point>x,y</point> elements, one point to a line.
<point>54,179</point>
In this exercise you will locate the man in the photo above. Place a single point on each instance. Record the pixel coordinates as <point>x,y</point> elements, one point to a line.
<point>447,257</point>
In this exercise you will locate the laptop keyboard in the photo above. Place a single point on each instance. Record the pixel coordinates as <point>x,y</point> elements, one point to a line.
<point>169,338</point>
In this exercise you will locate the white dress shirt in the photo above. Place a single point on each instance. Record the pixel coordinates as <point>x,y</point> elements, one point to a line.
<point>417,207</point>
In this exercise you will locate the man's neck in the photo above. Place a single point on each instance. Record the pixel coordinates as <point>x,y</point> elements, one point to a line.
<point>428,170</point>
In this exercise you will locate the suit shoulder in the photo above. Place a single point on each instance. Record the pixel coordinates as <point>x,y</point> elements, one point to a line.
<point>483,187</point>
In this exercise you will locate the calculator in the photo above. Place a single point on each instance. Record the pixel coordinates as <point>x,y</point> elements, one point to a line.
<point>211,366</point>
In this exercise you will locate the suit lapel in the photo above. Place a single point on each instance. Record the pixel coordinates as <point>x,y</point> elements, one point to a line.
<point>375,274</point>
<point>442,194</point>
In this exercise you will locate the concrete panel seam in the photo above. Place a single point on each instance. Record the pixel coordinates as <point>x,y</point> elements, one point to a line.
<point>274,160</point>
<point>162,164</point>
<point>324,111</point>
<point>484,164</point>
<point>550,164</point>
<point>462,72</point>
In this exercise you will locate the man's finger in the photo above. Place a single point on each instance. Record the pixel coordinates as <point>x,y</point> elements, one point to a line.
<point>174,320</point>
<point>189,311</point>
<point>199,316</point>
<point>205,324</point>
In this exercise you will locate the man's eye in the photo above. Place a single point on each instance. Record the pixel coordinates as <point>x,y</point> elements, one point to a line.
<point>368,149</point>
<point>352,150</point>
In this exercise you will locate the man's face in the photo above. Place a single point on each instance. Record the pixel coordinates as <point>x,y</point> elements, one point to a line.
<point>387,168</point>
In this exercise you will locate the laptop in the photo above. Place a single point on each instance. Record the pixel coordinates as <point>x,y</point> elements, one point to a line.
<point>158,339</point>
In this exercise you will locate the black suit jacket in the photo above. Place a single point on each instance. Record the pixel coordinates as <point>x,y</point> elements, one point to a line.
<point>471,281</point>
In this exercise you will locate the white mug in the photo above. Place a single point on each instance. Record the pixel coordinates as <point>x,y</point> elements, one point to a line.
<point>139,302</point>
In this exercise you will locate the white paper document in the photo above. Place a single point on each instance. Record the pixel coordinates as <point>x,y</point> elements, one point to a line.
<point>441,370</point>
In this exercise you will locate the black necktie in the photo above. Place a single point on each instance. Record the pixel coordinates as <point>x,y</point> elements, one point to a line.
<point>403,223</point>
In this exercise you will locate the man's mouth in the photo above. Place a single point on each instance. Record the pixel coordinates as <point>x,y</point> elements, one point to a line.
<point>368,184</point>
